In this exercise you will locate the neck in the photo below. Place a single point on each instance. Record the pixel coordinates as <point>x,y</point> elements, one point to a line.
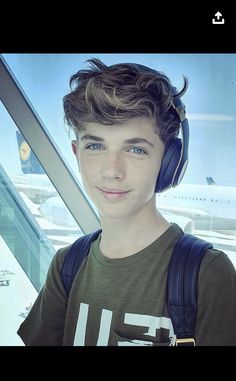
<point>122,237</point>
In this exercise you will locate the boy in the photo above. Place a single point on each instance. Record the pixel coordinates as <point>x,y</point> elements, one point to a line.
<point>125,119</point>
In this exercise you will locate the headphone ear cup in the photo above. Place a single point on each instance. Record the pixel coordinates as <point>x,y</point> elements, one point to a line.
<point>170,162</point>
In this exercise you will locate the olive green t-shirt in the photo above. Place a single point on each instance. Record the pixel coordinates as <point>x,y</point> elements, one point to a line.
<point>121,301</point>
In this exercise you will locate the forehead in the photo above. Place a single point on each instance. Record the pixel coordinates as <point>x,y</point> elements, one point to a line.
<point>135,127</point>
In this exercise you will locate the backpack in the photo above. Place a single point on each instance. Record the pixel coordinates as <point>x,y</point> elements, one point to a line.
<point>182,278</point>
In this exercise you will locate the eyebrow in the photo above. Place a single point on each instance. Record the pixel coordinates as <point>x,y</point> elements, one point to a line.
<point>129,141</point>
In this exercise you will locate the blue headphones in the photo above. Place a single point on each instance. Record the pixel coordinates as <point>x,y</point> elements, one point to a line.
<point>175,158</point>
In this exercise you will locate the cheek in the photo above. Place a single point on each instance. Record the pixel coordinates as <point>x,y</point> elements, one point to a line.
<point>142,179</point>
<point>150,176</point>
<point>148,172</point>
<point>88,167</point>
<point>148,181</point>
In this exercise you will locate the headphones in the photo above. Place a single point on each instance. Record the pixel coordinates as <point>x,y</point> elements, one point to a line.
<point>175,158</point>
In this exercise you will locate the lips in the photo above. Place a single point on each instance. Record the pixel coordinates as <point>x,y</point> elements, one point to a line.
<point>107,190</point>
<point>113,194</point>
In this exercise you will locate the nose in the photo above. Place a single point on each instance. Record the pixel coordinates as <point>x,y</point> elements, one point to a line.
<point>113,167</point>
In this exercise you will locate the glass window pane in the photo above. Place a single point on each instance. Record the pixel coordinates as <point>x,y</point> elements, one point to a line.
<point>34,223</point>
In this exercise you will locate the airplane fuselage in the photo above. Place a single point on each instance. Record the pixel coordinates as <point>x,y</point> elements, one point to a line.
<point>217,201</point>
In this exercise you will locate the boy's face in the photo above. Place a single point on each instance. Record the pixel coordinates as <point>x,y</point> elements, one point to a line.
<point>119,165</point>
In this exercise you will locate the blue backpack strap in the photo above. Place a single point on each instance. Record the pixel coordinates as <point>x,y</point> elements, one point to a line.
<point>74,257</point>
<point>182,282</point>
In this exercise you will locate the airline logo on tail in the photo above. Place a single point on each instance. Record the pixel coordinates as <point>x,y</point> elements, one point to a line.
<point>29,162</point>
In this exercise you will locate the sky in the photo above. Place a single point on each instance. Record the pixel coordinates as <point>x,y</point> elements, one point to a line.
<point>210,105</point>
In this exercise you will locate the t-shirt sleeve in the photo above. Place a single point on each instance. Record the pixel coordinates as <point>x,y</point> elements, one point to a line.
<point>216,318</point>
<point>44,324</point>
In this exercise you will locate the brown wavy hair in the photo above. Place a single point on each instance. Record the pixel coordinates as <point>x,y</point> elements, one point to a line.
<point>114,94</point>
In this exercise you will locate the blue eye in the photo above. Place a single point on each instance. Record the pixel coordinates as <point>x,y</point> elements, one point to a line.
<point>138,150</point>
<point>94,147</point>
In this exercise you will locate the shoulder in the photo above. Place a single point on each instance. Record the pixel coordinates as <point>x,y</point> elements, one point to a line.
<point>216,259</point>
<point>60,256</point>
<point>216,268</point>
<point>216,300</point>
<point>53,279</point>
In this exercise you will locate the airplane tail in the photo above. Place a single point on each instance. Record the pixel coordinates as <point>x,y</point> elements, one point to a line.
<point>210,181</point>
<point>29,162</point>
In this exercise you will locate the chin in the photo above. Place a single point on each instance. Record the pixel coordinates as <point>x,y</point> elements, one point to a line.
<point>112,211</point>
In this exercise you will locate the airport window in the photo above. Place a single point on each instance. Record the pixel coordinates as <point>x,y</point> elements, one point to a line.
<point>34,223</point>
<point>204,202</point>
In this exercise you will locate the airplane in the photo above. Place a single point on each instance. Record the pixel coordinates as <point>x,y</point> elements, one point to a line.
<point>55,220</point>
<point>37,187</point>
<point>211,207</point>
<point>34,181</point>
<point>42,199</point>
